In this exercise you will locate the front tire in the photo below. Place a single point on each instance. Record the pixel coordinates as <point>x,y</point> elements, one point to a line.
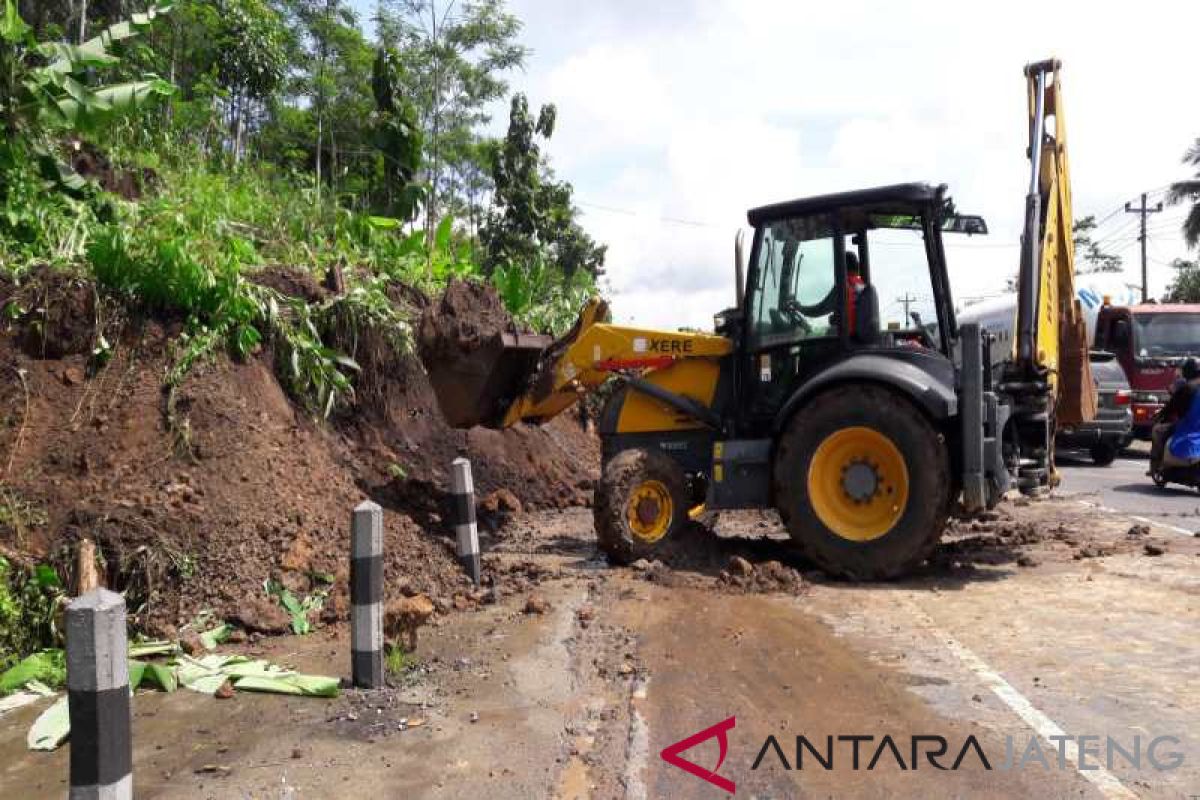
<point>1103,454</point>
<point>862,481</point>
<point>641,502</point>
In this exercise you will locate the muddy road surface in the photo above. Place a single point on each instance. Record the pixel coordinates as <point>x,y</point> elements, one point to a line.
<point>984,675</point>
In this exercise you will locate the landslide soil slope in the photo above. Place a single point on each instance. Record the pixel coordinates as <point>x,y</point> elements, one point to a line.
<point>245,487</point>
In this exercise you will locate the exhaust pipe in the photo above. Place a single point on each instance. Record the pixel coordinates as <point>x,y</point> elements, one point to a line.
<point>739,269</point>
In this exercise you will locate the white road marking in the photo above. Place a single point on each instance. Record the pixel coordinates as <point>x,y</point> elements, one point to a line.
<point>637,755</point>
<point>1183,531</point>
<point>1146,520</point>
<point>1108,784</point>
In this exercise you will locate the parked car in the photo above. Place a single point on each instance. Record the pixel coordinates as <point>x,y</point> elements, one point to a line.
<point>1112,429</point>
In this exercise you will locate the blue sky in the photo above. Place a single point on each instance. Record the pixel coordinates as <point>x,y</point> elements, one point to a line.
<point>675,117</point>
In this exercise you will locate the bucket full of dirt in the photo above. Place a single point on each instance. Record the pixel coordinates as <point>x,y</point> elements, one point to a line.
<point>477,357</point>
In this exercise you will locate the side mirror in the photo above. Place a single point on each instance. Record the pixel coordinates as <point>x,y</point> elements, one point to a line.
<point>969,224</point>
<point>739,270</point>
<point>1120,333</point>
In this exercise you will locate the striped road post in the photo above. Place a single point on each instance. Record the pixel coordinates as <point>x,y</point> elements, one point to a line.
<point>465,529</point>
<point>98,698</point>
<point>366,595</point>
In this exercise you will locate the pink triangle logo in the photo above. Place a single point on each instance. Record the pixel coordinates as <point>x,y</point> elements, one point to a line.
<point>671,755</point>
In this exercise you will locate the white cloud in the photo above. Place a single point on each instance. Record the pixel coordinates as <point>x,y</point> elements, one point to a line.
<point>697,111</point>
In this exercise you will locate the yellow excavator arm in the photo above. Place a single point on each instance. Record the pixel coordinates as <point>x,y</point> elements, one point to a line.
<point>1051,343</point>
<point>595,349</point>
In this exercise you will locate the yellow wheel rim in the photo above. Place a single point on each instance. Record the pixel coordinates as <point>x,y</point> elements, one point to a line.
<point>649,511</point>
<point>858,483</point>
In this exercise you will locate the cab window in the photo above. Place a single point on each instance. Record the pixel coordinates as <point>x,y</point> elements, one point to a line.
<point>795,296</point>
<point>899,272</point>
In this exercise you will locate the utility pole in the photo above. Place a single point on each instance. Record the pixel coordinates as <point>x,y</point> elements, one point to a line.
<point>1143,210</point>
<point>907,299</point>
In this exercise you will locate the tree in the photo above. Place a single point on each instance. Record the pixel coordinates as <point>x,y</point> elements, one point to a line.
<point>397,136</point>
<point>456,55</point>
<point>1189,191</point>
<point>1090,257</point>
<point>1185,288</point>
<point>250,60</point>
<point>532,216</point>
<point>45,91</point>
<point>326,22</point>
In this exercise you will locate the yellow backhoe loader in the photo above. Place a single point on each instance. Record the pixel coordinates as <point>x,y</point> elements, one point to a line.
<point>839,389</point>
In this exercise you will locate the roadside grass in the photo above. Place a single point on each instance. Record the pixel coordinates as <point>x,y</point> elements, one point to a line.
<point>397,662</point>
<point>29,602</point>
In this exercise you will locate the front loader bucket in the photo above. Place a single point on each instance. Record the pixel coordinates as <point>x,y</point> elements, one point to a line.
<point>478,388</point>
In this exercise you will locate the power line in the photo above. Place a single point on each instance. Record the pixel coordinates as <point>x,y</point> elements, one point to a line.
<point>630,213</point>
<point>1175,225</point>
<point>1121,230</point>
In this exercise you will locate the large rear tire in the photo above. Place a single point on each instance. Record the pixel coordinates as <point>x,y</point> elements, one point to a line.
<point>862,481</point>
<point>641,501</point>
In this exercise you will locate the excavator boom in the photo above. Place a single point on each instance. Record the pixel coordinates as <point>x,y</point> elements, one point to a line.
<point>1049,375</point>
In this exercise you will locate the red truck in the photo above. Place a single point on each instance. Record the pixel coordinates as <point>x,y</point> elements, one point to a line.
<point>1150,341</point>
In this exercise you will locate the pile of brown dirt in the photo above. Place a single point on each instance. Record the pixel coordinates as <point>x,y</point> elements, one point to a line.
<point>474,374</point>
<point>56,313</point>
<point>248,487</point>
<point>403,444</point>
<point>90,162</point>
<point>467,316</point>
<point>290,283</point>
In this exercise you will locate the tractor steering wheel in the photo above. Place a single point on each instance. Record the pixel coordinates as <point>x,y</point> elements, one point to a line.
<point>926,339</point>
<point>796,315</point>
<point>819,309</point>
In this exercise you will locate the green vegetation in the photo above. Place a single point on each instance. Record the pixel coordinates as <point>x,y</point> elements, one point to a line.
<point>1185,286</point>
<point>48,667</point>
<point>46,92</point>
<point>396,661</point>
<point>1188,191</point>
<point>181,155</point>
<point>298,610</point>
<point>29,600</point>
<point>173,155</point>
<point>1090,256</point>
<point>18,514</point>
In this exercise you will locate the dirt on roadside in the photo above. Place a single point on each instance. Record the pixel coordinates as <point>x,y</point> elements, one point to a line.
<point>197,499</point>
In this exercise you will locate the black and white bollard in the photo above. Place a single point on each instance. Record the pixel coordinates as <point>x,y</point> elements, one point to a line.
<point>366,595</point>
<point>465,529</point>
<point>98,698</point>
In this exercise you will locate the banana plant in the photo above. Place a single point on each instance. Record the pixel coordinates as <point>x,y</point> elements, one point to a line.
<point>45,91</point>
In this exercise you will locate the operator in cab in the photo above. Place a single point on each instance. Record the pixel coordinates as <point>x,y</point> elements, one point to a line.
<point>1176,436</point>
<point>854,287</point>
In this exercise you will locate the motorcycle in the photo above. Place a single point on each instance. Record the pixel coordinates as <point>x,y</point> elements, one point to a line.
<point>1163,474</point>
<point>1186,476</point>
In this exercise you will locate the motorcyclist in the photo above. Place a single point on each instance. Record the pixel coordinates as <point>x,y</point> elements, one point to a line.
<point>1176,435</point>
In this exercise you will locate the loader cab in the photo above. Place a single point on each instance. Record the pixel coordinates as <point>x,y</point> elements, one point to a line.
<point>842,275</point>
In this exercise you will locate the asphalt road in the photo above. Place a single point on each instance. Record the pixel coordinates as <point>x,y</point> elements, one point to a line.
<point>1124,486</point>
